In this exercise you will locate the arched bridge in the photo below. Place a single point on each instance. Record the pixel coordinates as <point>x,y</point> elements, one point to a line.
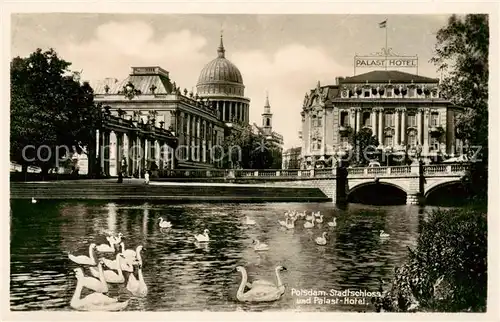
<point>414,183</point>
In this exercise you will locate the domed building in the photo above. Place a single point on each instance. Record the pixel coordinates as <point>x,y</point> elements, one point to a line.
<point>220,82</point>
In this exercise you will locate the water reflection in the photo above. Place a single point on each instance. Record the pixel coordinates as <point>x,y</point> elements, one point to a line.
<point>182,274</point>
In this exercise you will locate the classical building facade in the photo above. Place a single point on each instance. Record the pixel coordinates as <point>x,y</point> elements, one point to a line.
<point>292,158</point>
<point>198,121</point>
<point>403,111</point>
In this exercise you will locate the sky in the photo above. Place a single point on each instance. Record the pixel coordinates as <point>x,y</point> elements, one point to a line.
<point>284,55</point>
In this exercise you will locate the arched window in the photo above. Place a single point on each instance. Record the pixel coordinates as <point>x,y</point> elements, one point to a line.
<point>344,119</point>
<point>367,119</point>
<point>268,122</point>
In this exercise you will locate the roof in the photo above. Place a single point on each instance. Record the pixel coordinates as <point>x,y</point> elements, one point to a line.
<point>142,82</point>
<point>386,76</point>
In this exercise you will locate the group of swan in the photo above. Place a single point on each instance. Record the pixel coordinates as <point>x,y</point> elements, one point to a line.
<point>260,290</point>
<point>124,260</point>
<point>314,217</point>
<point>199,237</point>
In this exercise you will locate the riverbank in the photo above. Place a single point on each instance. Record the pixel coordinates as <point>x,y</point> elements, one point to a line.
<point>135,189</point>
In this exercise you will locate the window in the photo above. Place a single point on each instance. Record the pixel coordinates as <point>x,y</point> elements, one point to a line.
<point>412,139</point>
<point>344,119</point>
<point>412,120</point>
<point>388,140</point>
<point>367,120</point>
<point>268,122</point>
<point>433,144</point>
<point>367,93</point>
<point>434,118</point>
<point>318,144</point>
<point>389,92</point>
<point>344,140</point>
<point>389,119</point>
<point>411,92</point>
<point>313,121</point>
<point>319,121</point>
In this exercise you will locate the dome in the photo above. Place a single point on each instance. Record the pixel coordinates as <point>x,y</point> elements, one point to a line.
<point>220,76</point>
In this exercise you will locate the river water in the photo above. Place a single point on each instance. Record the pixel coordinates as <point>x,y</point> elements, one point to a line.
<point>184,275</point>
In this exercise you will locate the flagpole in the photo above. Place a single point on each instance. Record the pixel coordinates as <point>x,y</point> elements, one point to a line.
<point>386,44</point>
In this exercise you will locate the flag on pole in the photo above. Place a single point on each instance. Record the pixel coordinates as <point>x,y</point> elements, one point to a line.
<point>382,24</point>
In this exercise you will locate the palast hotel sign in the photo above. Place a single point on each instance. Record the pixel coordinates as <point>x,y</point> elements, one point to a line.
<point>385,59</point>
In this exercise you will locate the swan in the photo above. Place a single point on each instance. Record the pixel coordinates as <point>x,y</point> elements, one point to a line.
<point>309,224</point>
<point>321,240</point>
<point>250,221</point>
<point>115,240</point>
<point>164,223</point>
<point>85,260</point>
<point>302,214</point>
<point>320,219</point>
<point>202,237</point>
<point>383,234</point>
<point>105,248</point>
<point>317,214</point>
<point>94,301</point>
<point>290,224</point>
<point>333,223</point>
<point>260,291</point>
<point>125,264</point>
<point>264,282</point>
<point>260,246</point>
<point>137,287</point>
<point>109,275</point>
<point>129,253</point>
<point>284,222</point>
<point>310,217</point>
<point>33,200</point>
<point>98,285</point>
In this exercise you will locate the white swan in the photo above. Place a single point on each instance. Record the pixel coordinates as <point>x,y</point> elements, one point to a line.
<point>320,219</point>
<point>260,292</point>
<point>129,253</point>
<point>164,223</point>
<point>309,224</point>
<point>137,287</point>
<point>290,224</point>
<point>383,234</point>
<point>115,240</point>
<point>250,221</point>
<point>106,248</point>
<point>125,264</point>
<point>99,285</point>
<point>302,214</point>
<point>264,282</point>
<point>33,200</point>
<point>94,301</point>
<point>333,223</point>
<point>310,217</point>
<point>85,260</point>
<point>260,246</point>
<point>321,240</point>
<point>109,275</point>
<point>203,237</point>
<point>284,222</point>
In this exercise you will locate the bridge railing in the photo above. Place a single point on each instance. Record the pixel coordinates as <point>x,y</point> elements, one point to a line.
<point>393,171</point>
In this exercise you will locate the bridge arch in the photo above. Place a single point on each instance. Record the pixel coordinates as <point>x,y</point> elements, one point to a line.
<point>439,185</point>
<point>377,192</point>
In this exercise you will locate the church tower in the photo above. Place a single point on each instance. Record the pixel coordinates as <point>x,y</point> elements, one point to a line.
<point>267,118</point>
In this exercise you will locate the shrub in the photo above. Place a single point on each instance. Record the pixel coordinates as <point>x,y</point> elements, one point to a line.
<point>447,271</point>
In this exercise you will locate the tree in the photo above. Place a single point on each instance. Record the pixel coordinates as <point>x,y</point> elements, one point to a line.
<point>246,149</point>
<point>362,140</point>
<point>447,271</point>
<point>461,53</point>
<point>49,107</point>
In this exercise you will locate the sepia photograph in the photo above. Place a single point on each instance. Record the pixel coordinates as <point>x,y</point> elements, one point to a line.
<point>249,162</point>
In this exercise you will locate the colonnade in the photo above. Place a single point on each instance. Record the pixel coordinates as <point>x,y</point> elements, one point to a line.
<point>377,115</point>
<point>131,153</point>
<point>199,136</point>
<point>227,109</point>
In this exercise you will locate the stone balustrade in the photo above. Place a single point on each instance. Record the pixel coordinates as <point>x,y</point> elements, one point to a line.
<point>393,171</point>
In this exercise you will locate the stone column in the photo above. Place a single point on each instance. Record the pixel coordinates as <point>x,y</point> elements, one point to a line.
<point>426,130</point>
<point>100,151</point>
<point>323,139</point>
<point>138,155</point>
<point>396,126</point>
<point>403,126</point>
<point>119,152</point>
<point>188,136</point>
<point>224,110</point>
<point>374,121</point>
<point>198,138</point>
<point>158,154</point>
<point>359,112</point>
<point>106,152</point>
<point>352,118</point>
<point>380,126</point>
<point>419,127</point>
